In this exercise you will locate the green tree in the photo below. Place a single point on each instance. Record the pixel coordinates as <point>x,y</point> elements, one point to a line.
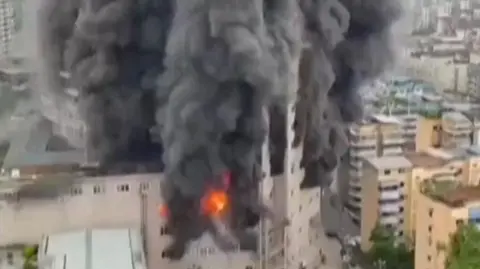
<point>385,248</point>
<point>30,257</point>
<point>464,249</point>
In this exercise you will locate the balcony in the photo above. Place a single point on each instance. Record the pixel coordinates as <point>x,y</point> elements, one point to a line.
<point>391,220</point>
<point>355,183</point>
<point>355,193</point>
<point>390,151</point>
<point>390,195</point>
<point>363,142</point>
<point>355,174</point>
<point>390,208</point>
<point>394,140</point>
<point>365,153</point>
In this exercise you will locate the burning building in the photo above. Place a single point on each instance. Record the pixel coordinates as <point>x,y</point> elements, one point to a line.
<point>239,88</point>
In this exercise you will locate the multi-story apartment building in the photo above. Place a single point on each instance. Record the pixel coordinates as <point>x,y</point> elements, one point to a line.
<point>392,187</point>
<point>378,135</point>
<point>384,184</point>
<point>7,26</point>
<point>442,207</point>
<point>409,122</point>
<point>456,130</point>
<point>447,129</point>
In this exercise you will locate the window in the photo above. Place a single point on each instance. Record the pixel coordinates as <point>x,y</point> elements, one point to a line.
<point>459,222</point>
<point>402,184</point>
<point>249,267</point>
<point>430,228</point>
<point>300,209</point>
<point>387,172</point>
<point>401,170</point>
<point>430,212</point>
<point>429,258</point>
<point>97,189</point>
<point>203,252</point>
<point>164,230</point>
<point>10,258</point>
<point>144,186</point>
<point>400,233</point>
<point>123,188</point>
<point>401,209</point>
<point>76,191</point>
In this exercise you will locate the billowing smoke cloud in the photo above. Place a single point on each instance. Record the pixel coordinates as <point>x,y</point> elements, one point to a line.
<point>204,71</point>
<point>224,65</point>
<point>113,51</point>
<point>350,44</point>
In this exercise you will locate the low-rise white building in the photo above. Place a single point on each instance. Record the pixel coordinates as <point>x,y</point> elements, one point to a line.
<point>92,249</point>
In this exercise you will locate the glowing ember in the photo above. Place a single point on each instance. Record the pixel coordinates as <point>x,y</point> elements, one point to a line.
<point>227,178</point>
<point>215,203</point>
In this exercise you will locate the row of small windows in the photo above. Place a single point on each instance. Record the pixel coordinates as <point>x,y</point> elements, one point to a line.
<point>99,189</point>
<point>389,171</point>
<point>391,188</point>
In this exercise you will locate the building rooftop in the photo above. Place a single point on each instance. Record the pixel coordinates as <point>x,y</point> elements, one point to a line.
<point>385,119</point>
<point>451,193</point>
<point>30,147</point>
<point>94,249</point>
<point>455,116</point>
<point>423,159</point>
<point>389,162</point>
<point>460,153</point>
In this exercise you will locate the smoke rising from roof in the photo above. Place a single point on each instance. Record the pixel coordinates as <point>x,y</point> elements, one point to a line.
<point>203,72</point>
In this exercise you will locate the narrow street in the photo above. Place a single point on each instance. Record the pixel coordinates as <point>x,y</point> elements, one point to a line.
<point>338,224</point>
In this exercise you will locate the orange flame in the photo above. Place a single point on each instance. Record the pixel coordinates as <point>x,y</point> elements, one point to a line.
<point>163,211</point>
<point>215,202</point>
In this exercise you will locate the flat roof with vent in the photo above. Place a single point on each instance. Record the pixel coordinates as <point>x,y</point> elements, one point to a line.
<point>32,146</point>
<point>94,249</point>
<point>425,160</point>
<point>451,193</point>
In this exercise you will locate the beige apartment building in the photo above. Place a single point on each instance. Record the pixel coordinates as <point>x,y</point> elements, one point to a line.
<point>451,130</point>
<point>392,186</point>
<point>456,130</point>
<point>384,188</point>
<point>378,136</point>
<point>442,207</point>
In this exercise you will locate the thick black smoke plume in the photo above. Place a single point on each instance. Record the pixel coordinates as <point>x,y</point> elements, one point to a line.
<point>204,71</point>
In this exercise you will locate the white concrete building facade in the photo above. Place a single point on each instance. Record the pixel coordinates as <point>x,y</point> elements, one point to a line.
<point>133,201</point>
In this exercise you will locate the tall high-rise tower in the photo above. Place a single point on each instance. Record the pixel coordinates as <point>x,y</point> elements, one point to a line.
<point>7,26</point>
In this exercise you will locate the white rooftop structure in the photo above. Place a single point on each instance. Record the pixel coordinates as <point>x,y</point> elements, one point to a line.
<point>389,162</point>
<point>93,249</point>
<point>386,119</point>
<point>455,116</point>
